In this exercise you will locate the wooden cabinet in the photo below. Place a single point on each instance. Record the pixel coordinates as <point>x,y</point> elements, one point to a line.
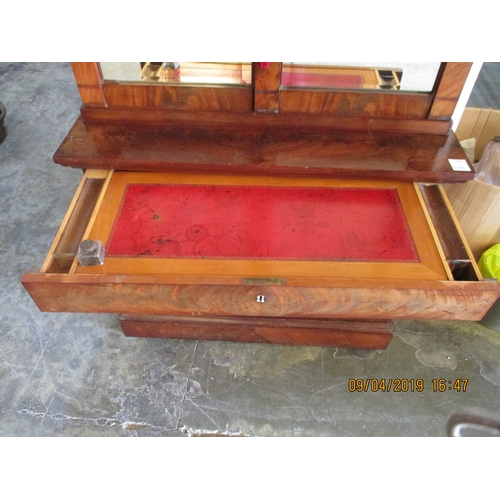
<point>246,217</point>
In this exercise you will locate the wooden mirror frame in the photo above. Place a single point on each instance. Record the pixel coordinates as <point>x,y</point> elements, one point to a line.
<point>265,103</point>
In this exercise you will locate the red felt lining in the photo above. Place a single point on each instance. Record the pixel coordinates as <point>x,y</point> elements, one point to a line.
<point>261,222</point>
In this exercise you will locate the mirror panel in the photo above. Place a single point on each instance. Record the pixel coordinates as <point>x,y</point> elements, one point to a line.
<point>189,73</point>
<point>402,76</point>
<point>374,76</point>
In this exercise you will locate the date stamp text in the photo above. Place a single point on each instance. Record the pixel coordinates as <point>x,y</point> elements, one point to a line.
<point>406,385</point>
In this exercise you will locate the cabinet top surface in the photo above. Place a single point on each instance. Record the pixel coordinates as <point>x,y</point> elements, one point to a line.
<point>268,151</point>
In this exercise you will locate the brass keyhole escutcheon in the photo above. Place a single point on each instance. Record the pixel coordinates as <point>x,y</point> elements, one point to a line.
<point>261,298</point>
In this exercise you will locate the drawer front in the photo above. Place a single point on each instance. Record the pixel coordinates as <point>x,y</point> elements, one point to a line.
<point>135,295</point>
<point>429,289</point>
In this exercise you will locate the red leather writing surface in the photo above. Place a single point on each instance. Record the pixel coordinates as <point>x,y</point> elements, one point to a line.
<point>261,222</point>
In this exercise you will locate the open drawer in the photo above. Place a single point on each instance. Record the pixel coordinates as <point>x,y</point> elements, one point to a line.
<point>268,259</point>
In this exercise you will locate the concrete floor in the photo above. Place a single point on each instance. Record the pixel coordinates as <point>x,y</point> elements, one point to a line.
<point>78,375</point>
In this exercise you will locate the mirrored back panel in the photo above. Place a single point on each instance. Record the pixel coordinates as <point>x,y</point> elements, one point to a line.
<point>404,76</point>
<point>189,73</point>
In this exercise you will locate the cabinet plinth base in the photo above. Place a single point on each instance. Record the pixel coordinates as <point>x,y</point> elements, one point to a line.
<point>358,334</point>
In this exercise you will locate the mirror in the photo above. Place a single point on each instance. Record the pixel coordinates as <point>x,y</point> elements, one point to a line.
<point>189,73</point>
<point>401,76</point>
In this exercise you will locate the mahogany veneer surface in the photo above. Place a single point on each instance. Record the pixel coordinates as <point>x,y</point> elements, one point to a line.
<point>328,333</point>
<point>229,287</point>
<point>345,299</point>
<point>274,151</point>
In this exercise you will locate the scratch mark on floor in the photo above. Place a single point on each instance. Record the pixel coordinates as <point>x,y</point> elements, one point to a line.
<point>201,411</point>
<point>186,388</point>
<point>209,433</point>
<point>98,422</point>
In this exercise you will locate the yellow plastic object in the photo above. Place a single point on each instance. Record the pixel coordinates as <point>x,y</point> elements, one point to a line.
<point>489,263</point>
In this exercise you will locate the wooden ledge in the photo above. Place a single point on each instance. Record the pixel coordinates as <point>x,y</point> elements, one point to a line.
<point>263,151</point>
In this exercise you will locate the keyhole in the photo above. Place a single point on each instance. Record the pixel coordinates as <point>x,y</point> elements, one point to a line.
<point>261,298</point>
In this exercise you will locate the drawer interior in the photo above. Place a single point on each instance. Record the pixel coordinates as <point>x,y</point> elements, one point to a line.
<point>455,251</point>
<point>238,228</point>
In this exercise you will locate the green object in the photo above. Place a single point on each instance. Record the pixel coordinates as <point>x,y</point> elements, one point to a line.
<point>489,263</point>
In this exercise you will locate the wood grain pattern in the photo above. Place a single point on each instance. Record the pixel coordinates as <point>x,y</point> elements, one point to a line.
<point>449,88</point>
<point>264,96</point>
<point>474,272</point>
<point>348,299</point>
<point>199,98</point>
<point>89,80</point>
<point>326,333</point>
<point>267,87</point>
<point>481,124</point>
<point>264,121</point>
<point>449,237</point>
<point>65,246</point>
<point>356,103</point>
<point>87,73</point>
<point>267,102</point>
<point>317,134</point>
<point>269,151</point>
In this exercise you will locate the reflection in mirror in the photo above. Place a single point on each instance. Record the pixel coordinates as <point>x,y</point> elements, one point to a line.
<point>404,76</point>
<point>215,73</point>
